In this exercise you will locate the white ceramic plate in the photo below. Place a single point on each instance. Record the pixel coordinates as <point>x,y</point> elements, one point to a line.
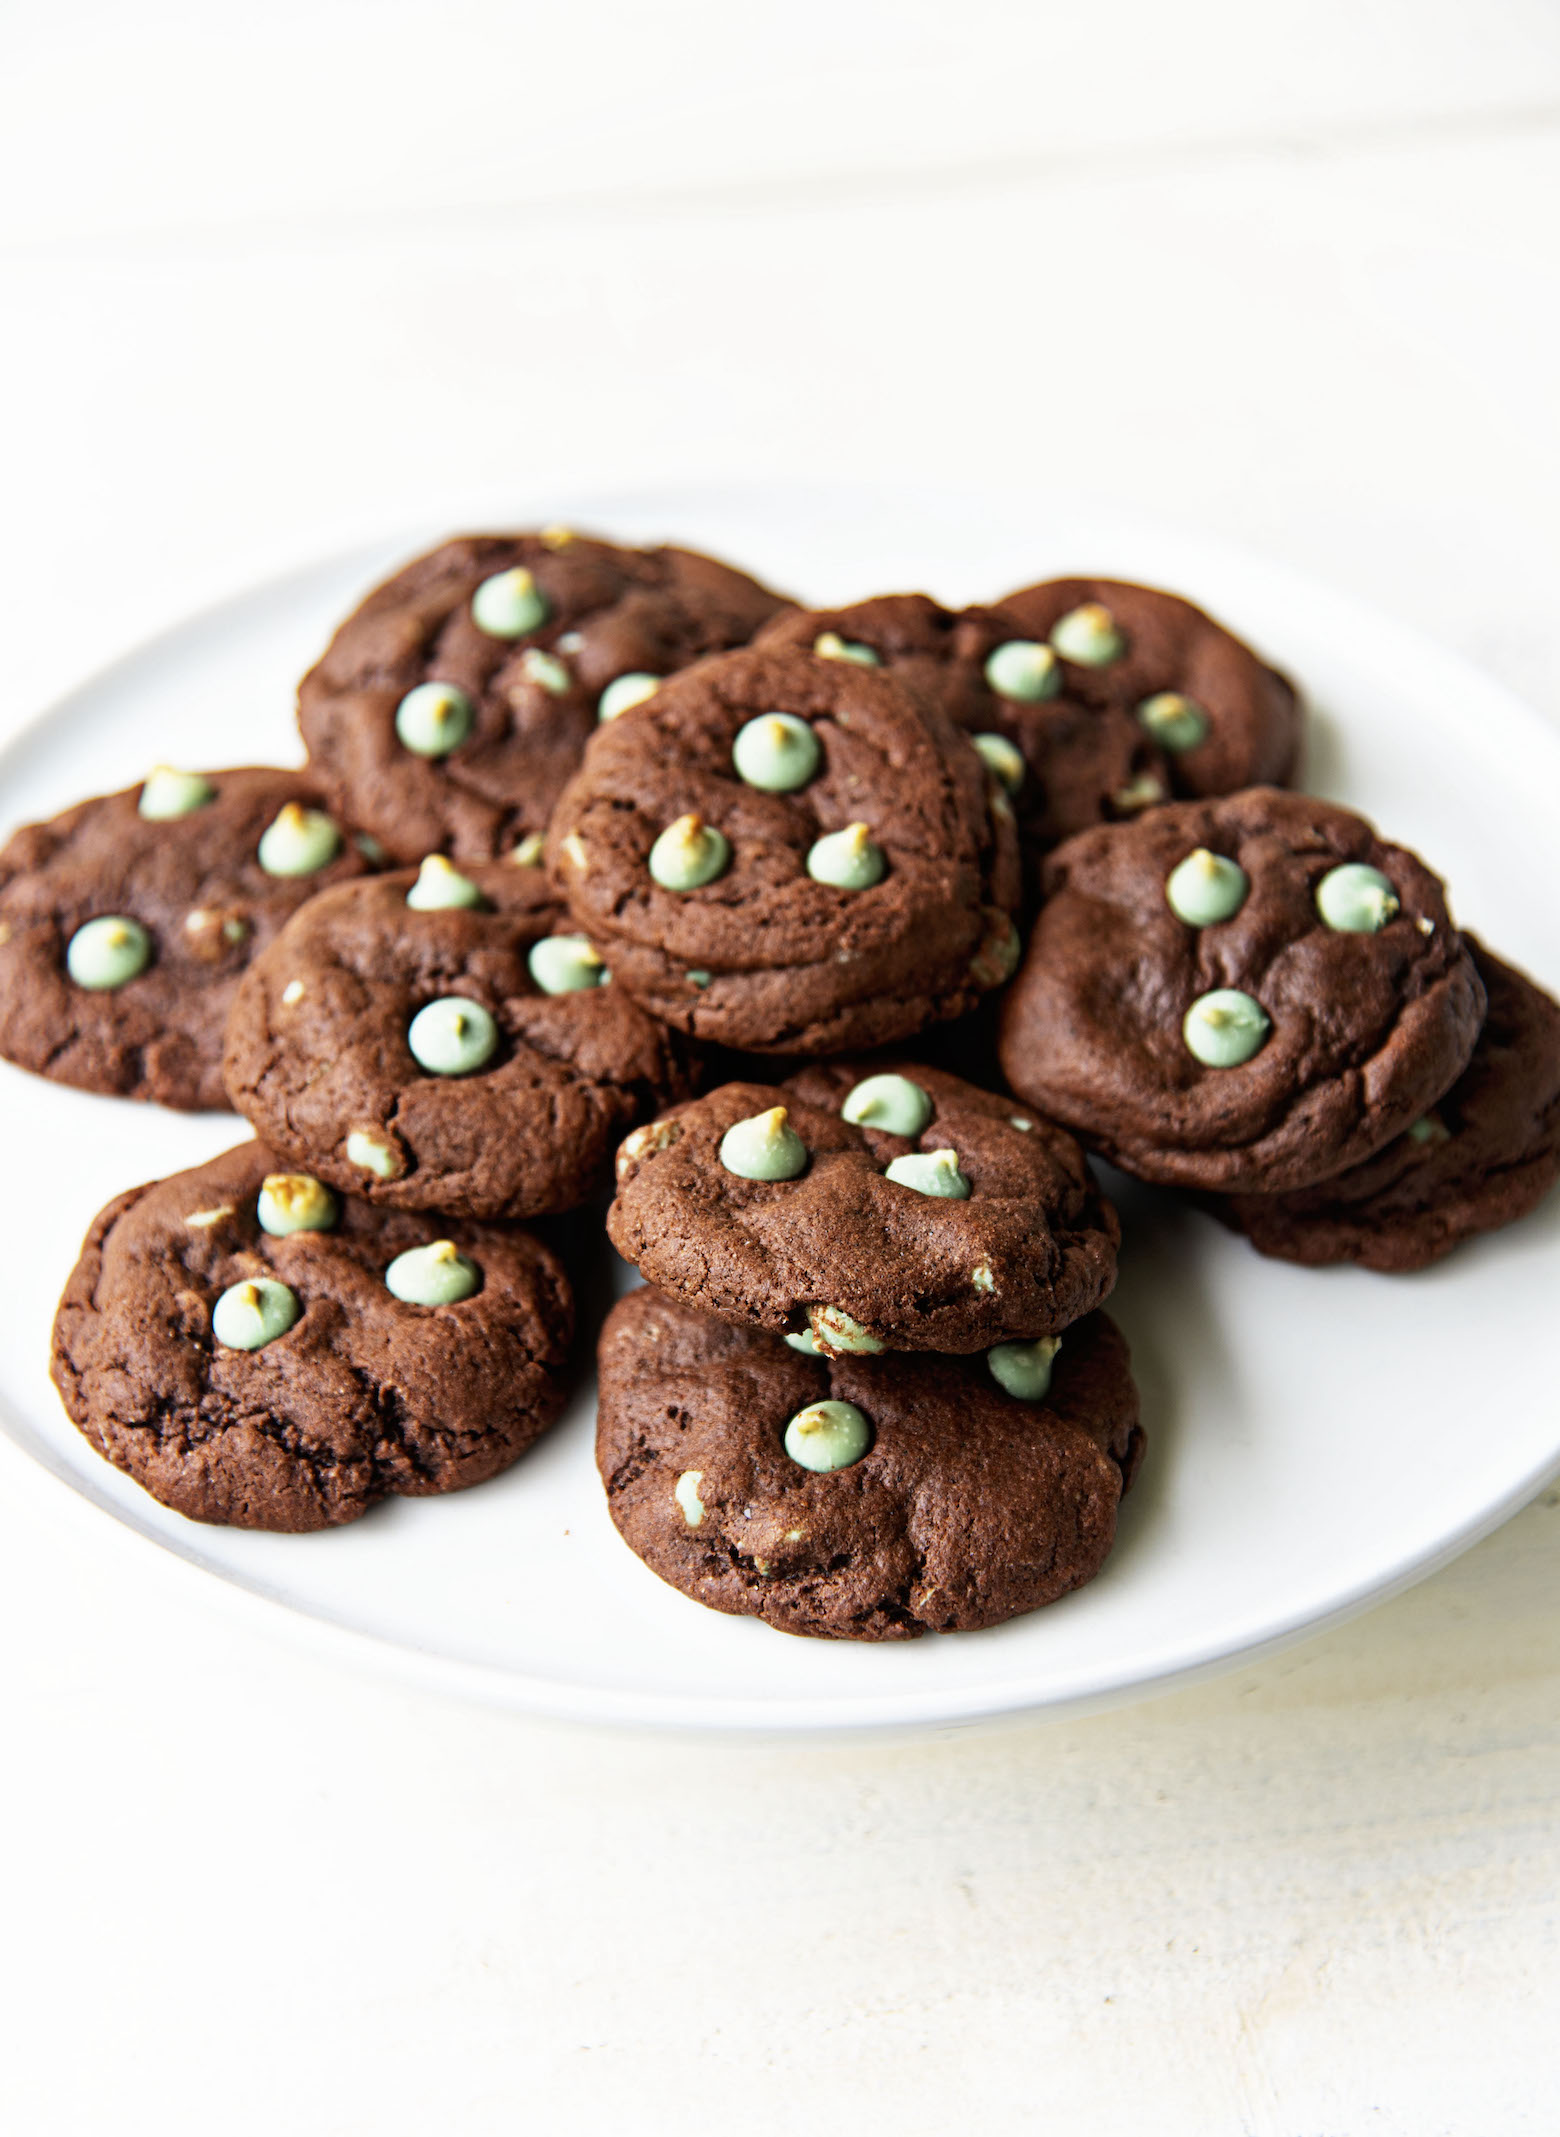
<point>1316,1438</point>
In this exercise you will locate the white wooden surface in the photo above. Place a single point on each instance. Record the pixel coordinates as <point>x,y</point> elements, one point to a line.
<point>275,278</point>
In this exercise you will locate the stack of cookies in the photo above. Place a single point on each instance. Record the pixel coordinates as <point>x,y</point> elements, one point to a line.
<point>833,940</point>
<point>353,1306</point>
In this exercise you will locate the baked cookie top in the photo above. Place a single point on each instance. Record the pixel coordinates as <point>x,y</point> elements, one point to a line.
<point>867,1206</point>
<point>1217,717</point>
<point>257,1351</point>
<point>1064,762</point>
<point>861,1499</point>
<point>441,1039</point>
<point>127,922</point>
<point>790,855</point>
<point>1245,994</point>
<point>1483,1156</point>
<point>449,709</point>
<point>914,637</point>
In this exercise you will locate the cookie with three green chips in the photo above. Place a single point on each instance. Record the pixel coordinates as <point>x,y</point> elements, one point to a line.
<point>861,1498</point>
<point>789,854</point>
<point>452,705</point>
<point>255,1350</point>
<point>1243,995</point>
<point>867,1206</point>
<point>127,922</point>
<point>441,1038</point>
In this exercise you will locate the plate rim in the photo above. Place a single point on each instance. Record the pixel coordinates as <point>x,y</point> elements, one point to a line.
<point>295,1625</point>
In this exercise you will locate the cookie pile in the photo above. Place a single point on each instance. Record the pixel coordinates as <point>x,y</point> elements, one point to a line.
<point>830,942</point>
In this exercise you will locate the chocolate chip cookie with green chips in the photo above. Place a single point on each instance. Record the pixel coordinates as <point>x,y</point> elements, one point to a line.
<point>912,636</point>
<point>862,1499</point>
<point>867,1206</point>
<point>127,923</point>
<point>442,1038</point>
<point>1484,1155</point>
<point>1244,995</point>
<point>451,706</point>
<point>1062,763</point>
<point>255,1350</point>
<point>1101,666</point>
<point>791,855</point>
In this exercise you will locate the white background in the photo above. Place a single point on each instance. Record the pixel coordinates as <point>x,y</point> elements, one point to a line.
<point>277,278</point>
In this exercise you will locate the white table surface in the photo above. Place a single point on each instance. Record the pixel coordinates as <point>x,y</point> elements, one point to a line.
<point>273,280</point>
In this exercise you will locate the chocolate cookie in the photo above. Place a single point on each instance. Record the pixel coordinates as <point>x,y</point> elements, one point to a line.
<point>790,855</point>
<point>450,708</point>
<point>1244,994</point>
<point>254,1350</point>
<point>916,639</point>
<point>1485,1155</point>
<point>861,1500</point>
<point>127,923</point>
<point>867,1206</point>
<point>440,1040</point>
<point>1063,762</point>
<point>1131,660</point>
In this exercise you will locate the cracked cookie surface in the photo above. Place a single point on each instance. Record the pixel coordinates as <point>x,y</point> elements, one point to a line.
<point>852,1256</point>
<point>319,1056</point>
<point>604,612</point>
<point>363,1396</point>
<point>1485,1154</point>
<point>1358,1032</point>
<point>194,883</point>
<point>763,952</point>
<point>968,1507</point>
